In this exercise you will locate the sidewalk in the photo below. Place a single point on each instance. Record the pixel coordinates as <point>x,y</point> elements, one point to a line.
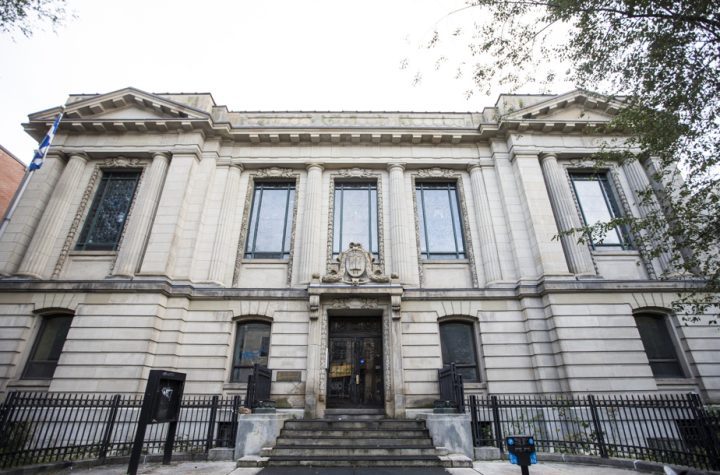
<point>228,468</point>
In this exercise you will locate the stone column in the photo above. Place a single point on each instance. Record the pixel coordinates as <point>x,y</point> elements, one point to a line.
<point>402,263</point>
<point>639,182</point>
<point>138,227</point>
<point>488,245</point>
<point>222,259</point>
<point>167,226</point>
<point>548,253</point>
<point>578,255</point>
<point>19,231</point>
<point>310,245</point>
<point>48,230</point>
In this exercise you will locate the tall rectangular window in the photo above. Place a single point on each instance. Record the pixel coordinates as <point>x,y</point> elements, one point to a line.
<point>597,205</point>
<point>659,345</point>
<point>271,221</point>
<point>108,213</point>
<point>48,346</point>
<point>355,213</point>
<point>441,233</point>
<point>252,346</point>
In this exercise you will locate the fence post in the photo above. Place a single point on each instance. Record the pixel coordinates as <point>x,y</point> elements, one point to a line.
<point>109,425</point>
<point>234,424</point>
<point>496,422</point>
<point>598,427</point>
<point>474,420</point>
<point>705,430</point>
<point>211,424</point>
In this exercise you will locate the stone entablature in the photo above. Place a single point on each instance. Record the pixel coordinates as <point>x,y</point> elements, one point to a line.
<point>132,110</point>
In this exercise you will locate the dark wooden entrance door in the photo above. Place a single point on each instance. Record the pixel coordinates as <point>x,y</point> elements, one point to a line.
<point>355,370</point>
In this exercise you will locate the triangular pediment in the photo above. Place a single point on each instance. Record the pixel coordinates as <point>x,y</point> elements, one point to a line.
<point>127,104</point>
<point>575,106</point>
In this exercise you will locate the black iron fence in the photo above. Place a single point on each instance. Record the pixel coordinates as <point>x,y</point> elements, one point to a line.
<point>451,387</point>
<point>258,388</point>
<point>674,429</point>
<point>51,427</point>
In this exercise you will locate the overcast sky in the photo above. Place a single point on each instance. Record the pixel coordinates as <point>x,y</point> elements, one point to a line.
<point>251,55</point>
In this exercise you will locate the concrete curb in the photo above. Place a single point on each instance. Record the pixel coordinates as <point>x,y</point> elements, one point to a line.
<point>637,465</point>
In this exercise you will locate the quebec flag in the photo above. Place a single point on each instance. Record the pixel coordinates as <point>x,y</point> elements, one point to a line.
<point>40,153</point>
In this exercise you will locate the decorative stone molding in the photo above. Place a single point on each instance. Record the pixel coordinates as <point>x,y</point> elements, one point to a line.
<point>353,303</point>
<point>88,194</point>
<point>272,172</point>
<point>361,173</point>
<point>355,266</point>
<point>445,174</point>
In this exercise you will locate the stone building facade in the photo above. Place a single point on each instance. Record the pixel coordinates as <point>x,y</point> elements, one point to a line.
<point>352,252</point>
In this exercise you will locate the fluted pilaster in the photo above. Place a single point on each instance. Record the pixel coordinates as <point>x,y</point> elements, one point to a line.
<point>221,258</point>
<point>578,255</point>
<point>488,245</point>
<point>639,182</point>
<point>138,227</point>
<point>310,245</point>
<point>48,230</point>
<point>402,263</point>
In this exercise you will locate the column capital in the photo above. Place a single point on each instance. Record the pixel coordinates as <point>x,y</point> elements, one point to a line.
<point>81,155</point>
<point>394,165</point>
<point>474,166</point>
<point>159,155</point>
<point>236,164</point>
<point>548,155</point>
<point>311,165</point>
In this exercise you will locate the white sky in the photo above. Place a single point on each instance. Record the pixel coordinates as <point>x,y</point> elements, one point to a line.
<point>251,55</point>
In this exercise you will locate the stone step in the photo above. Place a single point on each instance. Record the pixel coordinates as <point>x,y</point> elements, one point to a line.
<point>366,461</point>
<point>313,451</point>
<point>354,433</point>
<point>352,441</point>
<point>332,424</point>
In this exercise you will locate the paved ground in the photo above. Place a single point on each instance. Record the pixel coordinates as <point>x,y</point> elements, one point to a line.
<point>228,468</point>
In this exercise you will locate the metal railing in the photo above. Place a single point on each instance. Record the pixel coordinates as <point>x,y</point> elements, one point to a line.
<point>52,427</point>
<point>258,388</point>
<point>451,386</point>
<point>673,429</point>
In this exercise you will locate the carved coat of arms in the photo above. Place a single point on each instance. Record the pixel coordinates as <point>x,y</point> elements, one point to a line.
<point>355,266</point>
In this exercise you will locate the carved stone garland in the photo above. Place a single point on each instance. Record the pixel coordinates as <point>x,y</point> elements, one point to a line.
<point>109,163</point>
<point>450,175</point>
<point>272,172</point>
<point>361,173</point>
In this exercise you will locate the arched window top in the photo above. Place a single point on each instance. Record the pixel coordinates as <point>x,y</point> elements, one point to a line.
<point>457,340</point>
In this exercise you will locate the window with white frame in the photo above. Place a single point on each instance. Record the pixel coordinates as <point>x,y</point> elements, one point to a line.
<point>439,221</point>
<point>355,216</point>
<point>659,345</point>
<point>271,221</point>
<point>597,205</point>
<point>107,216</point>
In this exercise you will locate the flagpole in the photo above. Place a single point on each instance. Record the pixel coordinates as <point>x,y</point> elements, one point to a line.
<point>26,179</point>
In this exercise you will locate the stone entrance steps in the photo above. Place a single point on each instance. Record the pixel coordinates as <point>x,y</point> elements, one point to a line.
<point>351,441</point>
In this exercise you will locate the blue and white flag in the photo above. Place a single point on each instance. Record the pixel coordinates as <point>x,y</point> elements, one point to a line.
<point>42,150</point>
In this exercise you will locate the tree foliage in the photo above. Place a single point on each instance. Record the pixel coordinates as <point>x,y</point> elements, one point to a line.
<point>663,58</point>
<point>25,15</point>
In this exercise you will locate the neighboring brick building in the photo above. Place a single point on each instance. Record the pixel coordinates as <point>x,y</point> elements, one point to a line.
<point>11,174</point>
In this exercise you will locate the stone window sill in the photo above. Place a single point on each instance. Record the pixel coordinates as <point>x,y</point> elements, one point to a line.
<point>445,261</point>
<point>265,261</point>
<point>30,383</point>
<point>92,253</point>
